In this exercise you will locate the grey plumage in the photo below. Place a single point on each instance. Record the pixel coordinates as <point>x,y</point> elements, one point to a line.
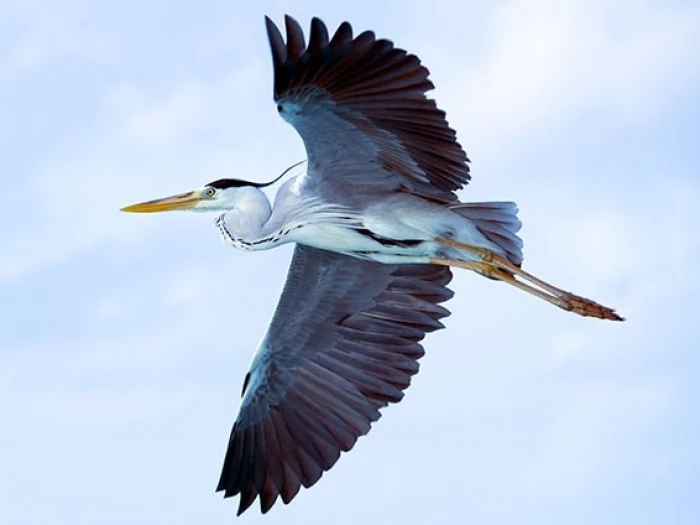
<point>367,97</point>
<point>343,343</point>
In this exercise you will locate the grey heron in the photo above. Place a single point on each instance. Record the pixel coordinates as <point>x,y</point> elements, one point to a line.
<point>378,225</point>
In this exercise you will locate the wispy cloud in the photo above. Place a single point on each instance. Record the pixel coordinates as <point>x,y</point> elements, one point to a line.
<point>183,111</point>
<point>46,34</point>
<point>77,194</point>
<point>551,60</point>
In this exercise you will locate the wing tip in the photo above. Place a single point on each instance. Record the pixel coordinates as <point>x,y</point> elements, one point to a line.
<point>296,44</point>
<point>277,45</point>
<point>318,37</point>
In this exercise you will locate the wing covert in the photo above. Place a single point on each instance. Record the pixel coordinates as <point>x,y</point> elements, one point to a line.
<point>343,343</point>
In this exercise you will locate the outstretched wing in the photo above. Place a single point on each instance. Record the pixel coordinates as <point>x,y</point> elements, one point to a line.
<point>359,104</point>
<point>343,343</point>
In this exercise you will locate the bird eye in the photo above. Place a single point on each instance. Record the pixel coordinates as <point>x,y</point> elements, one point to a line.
<point>210,192</point>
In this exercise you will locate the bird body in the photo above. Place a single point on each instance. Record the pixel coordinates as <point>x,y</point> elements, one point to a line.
<point>378,226</point>
<point>398,228</point>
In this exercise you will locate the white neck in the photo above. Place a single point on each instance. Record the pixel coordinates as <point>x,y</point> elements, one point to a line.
<point>244,224</point>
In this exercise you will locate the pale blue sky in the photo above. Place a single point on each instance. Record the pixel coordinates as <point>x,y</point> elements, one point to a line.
<point>125,339</point>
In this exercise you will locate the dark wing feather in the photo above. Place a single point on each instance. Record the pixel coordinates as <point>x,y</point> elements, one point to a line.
<point>343,343</point>
<point>366,99</point>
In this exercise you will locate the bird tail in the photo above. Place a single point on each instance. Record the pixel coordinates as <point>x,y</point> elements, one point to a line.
<point>498,222</point>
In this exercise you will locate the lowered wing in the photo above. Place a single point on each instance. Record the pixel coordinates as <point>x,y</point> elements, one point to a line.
<point>343,343</point>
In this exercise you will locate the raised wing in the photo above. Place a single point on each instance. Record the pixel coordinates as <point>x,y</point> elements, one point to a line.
<point>343,343</point>
<point>360,106</point>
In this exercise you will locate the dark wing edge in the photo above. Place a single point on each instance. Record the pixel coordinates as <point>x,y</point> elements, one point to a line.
<point>360,345</point>
<point>381,90</point>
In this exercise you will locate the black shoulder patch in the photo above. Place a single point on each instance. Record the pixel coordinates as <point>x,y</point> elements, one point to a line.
<point>245,384</point>
<point>385,241</point>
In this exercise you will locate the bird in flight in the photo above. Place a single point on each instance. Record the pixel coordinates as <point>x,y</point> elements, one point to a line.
<point>378,227</point>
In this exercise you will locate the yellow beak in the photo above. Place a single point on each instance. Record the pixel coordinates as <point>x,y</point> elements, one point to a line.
<point>184,201</point>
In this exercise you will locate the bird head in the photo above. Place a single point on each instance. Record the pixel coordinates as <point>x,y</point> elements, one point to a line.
<point>220,195</point>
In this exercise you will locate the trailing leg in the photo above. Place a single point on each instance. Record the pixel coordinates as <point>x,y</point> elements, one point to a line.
<point>496,267</point>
